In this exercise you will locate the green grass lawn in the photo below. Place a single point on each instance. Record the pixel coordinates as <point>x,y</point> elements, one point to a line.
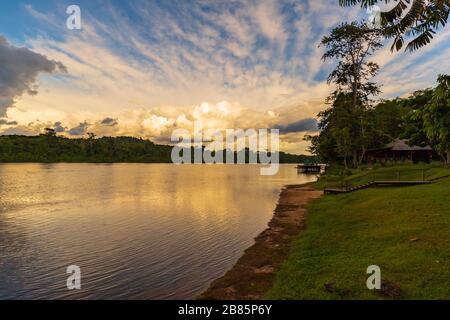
<point>404,172</point>
<point>403,230</point>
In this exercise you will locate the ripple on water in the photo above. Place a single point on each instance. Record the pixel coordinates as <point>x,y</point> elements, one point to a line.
<point>142,231</point>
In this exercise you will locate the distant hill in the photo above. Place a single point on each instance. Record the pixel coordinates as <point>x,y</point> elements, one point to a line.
<point>51,148</point>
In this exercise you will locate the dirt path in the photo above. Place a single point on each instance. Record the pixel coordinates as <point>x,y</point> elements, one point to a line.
<point>252,276</point>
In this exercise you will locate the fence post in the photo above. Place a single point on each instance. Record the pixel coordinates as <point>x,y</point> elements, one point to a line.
<point>398,175</point>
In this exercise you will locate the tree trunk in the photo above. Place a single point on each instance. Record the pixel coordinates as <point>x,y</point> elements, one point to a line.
<point>363,154</point>
<point>355,159</point>
<point>355,95</point>
<point>355,84</point>
<point>363,147</point>
<point>448,158</point>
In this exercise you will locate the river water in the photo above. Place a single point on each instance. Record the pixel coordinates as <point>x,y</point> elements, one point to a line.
<point>137,231</point>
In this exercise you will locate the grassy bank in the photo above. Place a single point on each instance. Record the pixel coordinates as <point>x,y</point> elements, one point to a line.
<point>405,172</point>
<point>405,231</point>
<point>252,276</point>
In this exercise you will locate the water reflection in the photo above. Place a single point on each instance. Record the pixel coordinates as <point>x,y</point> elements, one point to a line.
<point>138,231</point>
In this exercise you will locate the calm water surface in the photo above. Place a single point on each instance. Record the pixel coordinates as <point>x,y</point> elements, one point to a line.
<point>138,231</point>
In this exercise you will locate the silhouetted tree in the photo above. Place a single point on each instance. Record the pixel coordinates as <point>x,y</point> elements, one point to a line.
<point>48,132</point>
<point>351,44</point>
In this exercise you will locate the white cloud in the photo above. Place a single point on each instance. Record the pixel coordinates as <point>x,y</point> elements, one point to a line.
<point>176,69</point>
<point>269,19</point>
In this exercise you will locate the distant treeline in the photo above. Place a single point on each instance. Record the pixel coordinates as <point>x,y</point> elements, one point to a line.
<point>51,148</point>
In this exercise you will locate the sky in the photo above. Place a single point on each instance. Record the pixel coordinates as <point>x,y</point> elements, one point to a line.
<point>145,68</point>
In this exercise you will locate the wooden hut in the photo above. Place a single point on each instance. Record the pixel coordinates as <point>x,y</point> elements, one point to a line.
<point>399,151</point>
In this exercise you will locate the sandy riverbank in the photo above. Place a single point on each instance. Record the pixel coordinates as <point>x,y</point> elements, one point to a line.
<point>253,274</point>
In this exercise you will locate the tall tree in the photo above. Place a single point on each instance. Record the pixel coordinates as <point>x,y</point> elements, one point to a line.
<point>419,19</point>
<point>413,127</point>
<point>48,132</point>
<point>351,44</point>
<point>335,141</point>
<point>436,117</point>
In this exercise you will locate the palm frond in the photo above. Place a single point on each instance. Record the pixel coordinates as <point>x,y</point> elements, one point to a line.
<point>420,41</point>
<point>364,3</point>
<point>422,20</point>
<point>395,13</point>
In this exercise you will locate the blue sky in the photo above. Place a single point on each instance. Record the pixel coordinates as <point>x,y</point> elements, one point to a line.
<point>156,65</point>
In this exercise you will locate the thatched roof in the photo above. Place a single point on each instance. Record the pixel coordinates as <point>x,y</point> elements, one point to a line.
<point>402,145</point>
